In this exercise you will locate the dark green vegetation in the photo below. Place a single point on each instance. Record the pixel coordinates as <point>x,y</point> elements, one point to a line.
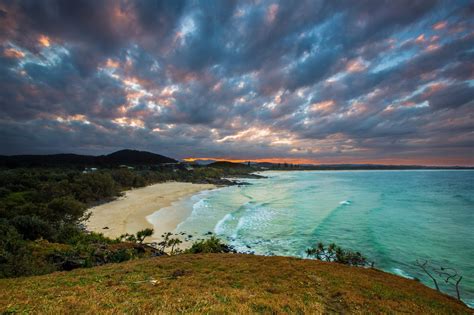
<point>334,253</point>
<point>210,245</point>
<point>42,210</point>
<point>128,157</point>
<point>223,284</point>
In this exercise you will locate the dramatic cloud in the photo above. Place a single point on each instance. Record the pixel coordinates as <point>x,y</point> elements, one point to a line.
<point>305,81</point>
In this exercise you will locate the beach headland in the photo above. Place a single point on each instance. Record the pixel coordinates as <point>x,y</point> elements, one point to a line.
<point>128,213</point>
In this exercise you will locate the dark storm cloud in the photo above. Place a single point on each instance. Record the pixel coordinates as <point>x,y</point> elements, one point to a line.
<point>307,80</point>
<point>452,96</point>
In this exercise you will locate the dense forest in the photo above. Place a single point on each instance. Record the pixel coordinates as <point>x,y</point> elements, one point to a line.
<point>42,211</point>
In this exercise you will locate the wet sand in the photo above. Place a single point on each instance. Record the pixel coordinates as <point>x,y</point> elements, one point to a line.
<point>128,214</point>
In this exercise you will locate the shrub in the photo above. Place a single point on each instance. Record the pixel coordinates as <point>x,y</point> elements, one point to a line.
<point>10,240</point>
<point>32,227</point>
<point>69,233</point>
<point>210,245</point>
<point>334,253</point>
<point>65,209</point>
<point>15,255</point>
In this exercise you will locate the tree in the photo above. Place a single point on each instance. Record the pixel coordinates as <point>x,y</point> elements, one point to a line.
<point>165,241</point>
<point>448,275</point>
<point>174,242</point>
<point>137,238</point>
<point>424,266</point>
<point>141,235</point>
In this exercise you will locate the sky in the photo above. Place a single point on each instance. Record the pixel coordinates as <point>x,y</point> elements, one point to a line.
<point>388,82</point>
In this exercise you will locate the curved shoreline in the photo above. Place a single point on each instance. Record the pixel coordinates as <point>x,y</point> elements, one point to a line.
<point>169,218</point>
<point>128,214</point>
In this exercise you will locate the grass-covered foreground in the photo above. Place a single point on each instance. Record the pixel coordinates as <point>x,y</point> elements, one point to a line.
<point>222,283</point>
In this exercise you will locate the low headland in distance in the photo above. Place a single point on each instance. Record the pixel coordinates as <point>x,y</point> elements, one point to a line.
<point>65,212</point>
<point>128,157</point>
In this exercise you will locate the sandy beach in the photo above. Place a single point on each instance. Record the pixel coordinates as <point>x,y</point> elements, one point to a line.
<point>128,214</point>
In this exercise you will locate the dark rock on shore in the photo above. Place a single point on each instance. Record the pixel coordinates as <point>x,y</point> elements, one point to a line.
<point>221,182</point>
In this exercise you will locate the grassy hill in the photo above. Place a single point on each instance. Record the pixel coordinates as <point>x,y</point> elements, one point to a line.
<point>223,283</point>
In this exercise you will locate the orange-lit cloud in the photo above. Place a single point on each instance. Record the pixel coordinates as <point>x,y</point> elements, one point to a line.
<point>356,65</point>
<point>129,122</point>
<point>112,63</point>
<point>420,39</point>
<point>440,25</point>
<point>433,88</point>
<point>323,106</point>
<point>168,91</point>
<point>408,104</point>
<point>357,108</point>
<point>44,40</point>
<point>432,47</point>
<point>13,53</point>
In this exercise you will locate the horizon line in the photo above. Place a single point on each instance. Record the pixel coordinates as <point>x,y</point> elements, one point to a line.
<point>280,160</point>
<point>314,163</point>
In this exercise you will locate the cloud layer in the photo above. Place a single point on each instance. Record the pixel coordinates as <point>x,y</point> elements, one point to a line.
<point>305,81</point>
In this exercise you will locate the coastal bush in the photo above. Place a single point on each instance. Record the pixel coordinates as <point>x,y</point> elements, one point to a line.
<point>10,239</point>
<point>50,203</point>
<point>334,253</point>
<point>95,186</point>
<point>65,209</point>
<point>124,177</point>
<point>15,256</point>
<point>32,227</point>
<point>210,245</point>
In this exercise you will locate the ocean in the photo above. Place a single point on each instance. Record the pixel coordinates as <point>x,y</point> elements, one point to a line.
<point>391,217</point>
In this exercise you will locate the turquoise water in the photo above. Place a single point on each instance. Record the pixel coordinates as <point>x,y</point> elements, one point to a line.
<point>392,217</point>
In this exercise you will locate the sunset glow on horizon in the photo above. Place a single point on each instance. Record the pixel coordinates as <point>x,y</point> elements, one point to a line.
<point>296,161</point>
<point>307,82</point>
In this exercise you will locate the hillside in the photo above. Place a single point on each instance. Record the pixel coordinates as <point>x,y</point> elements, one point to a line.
<point>127,157</point>
<point>135,157</point>
<point>223,283</point>
<point>226,164</point>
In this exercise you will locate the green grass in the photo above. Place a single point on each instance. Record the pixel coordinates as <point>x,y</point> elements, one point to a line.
<point>222,283</point>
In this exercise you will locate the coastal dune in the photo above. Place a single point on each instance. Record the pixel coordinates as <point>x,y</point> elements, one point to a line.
<point>128,214</point>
